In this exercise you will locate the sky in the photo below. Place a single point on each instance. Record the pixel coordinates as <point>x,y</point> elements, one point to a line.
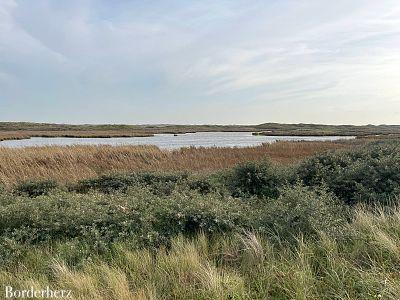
<point>200,62</point>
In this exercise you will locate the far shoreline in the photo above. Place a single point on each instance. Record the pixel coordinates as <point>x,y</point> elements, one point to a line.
<point>26,130</point>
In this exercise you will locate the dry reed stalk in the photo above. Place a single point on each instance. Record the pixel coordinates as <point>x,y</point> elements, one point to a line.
<point>72,163</point>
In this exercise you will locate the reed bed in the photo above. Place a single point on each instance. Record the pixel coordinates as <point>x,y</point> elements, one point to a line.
<point>69,164</point>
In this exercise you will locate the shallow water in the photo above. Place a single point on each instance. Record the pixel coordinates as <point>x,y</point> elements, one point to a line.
<point>169,141</point>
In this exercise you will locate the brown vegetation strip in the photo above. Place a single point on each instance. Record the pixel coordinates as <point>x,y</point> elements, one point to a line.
<point>18,135</point>
<point>69,164</point>
<point>266,128</point>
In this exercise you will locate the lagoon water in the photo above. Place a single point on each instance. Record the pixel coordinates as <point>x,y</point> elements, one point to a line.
<point>169,141</point>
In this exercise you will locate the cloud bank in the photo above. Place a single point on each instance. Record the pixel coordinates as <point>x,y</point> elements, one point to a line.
<point>200,61</point>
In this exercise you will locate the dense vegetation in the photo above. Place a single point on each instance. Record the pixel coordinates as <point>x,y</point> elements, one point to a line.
<point>327,227</point>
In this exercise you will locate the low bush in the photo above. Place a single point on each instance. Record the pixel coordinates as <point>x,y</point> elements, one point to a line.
<point>149,178</point>
<point>106,184</point>
<point>204,185</point>
<point>101,219</point>
<point>193,212</point>
<point>35,188</point>
<point>161,184</point>
<point>155,218</point>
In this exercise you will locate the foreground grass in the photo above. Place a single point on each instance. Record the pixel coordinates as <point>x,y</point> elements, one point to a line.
<point>325,228</point>
<point>68,164</point>
<point>362,262</point>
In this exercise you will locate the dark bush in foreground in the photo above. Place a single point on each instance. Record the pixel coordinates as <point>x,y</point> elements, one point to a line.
<point>370,174</point>
<point>35,188</point>
<point>260,179</point>
<point>203,185</point>
<point>161,184</point>
<point>105,184</point>
<point>150,178</point>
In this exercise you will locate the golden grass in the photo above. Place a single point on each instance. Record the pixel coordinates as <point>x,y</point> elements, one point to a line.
<point>69,164</point>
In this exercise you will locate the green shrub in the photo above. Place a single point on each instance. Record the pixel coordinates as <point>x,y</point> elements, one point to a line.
<point>192,213</point>
<point>301,210</point>
<point>260,179</point>
<point>369,174</point>
<point>106,184</point>
<point>150,178</point>
<point>68,215</point>
<point>100,219</point>
<point>202,185</point>
<point>35,188</point>
<point>161,184</point>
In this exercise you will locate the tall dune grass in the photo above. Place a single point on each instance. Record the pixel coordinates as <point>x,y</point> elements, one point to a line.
<point>66,164</point>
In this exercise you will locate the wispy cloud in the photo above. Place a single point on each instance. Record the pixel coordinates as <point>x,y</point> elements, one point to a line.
<point>128,60</point>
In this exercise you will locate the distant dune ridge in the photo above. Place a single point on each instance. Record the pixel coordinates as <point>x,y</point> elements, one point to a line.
<point>24,130</point>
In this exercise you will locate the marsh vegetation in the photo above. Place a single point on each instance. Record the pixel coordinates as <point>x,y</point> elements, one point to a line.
<point>281,221</point>
<point>66,164</point>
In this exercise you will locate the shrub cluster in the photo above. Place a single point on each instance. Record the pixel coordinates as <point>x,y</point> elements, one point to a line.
<point>303,211</point>
<point>370,174</point>
<point>159,183</point>
<point>35,188</point>
<point>101,218</point>
<point>106,184</point>
<point>261,179</point>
